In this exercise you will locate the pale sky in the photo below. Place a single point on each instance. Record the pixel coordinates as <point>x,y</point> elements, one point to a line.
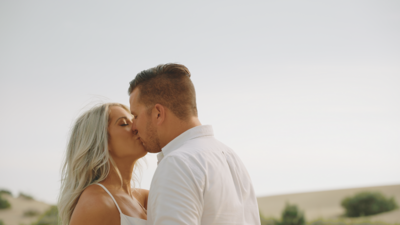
<point>306,92</point>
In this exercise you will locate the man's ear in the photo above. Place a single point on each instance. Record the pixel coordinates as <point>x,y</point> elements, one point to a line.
<point>160,113</point>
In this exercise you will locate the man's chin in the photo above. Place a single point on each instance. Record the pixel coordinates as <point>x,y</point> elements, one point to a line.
<point>152,150</point>
<point>152,147</point>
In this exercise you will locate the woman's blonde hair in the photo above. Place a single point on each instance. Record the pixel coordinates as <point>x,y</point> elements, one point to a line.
<point>87,158</point>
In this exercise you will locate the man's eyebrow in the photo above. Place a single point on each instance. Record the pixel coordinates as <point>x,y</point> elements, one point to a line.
<point>122,117</point>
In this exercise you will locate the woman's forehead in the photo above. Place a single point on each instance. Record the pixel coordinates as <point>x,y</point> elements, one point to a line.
<point>117,112</point>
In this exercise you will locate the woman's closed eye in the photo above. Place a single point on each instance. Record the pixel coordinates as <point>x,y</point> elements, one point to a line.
<point>125,122</point>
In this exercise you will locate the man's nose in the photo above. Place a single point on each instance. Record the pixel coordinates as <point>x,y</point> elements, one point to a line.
<point>133,127</point>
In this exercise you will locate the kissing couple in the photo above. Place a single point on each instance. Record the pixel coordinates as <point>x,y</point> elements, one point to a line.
<point>198,180</point>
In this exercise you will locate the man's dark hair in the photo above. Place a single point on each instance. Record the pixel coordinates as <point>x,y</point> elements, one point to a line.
<point>168,85</point>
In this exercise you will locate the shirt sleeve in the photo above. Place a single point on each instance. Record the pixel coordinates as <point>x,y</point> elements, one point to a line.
<point>176,194</point>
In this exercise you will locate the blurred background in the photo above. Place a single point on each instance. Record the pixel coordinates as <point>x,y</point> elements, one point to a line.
<point>306,92</point>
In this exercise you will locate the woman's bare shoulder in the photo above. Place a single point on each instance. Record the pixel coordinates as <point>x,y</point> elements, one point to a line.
<point>142,195</point>
<point>95,206</point>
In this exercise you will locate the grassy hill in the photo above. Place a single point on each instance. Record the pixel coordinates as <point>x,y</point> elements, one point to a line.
<point>23,210</point>
<point>326,204</point>
<point>316,205</point>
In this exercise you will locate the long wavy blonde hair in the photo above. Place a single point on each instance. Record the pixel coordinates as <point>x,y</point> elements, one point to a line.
<point>87,158</point>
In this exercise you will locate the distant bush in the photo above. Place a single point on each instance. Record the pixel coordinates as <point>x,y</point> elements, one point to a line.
<point>50,217</point>
<point>3,191</point>
<point>291,215</point>
<point>367,203</point>
<point>25,196</point>
<point>1,222</point>
<point>30,213</point>
<point>4,204</point>
<point>347,221</point>
<point>268,221</point>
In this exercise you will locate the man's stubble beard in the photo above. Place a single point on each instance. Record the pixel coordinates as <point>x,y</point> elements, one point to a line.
<point>153,143</point>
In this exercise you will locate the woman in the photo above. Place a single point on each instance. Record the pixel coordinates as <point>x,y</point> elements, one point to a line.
<point>96,179</point>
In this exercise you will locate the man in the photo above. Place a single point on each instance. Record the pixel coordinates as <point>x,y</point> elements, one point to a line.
<point>198,180</point>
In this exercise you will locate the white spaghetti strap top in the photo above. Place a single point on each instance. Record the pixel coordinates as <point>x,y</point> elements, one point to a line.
<point>125,220</point>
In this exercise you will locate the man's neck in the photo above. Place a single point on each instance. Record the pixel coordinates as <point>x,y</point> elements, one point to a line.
<point>176,128</point>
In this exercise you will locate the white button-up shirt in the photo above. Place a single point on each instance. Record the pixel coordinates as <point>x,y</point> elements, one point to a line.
<point>199,180</point>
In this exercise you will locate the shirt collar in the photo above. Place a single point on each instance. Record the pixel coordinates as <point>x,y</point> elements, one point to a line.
<point>195,132</point>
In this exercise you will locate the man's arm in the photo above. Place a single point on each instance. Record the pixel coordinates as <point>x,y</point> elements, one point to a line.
<point>176,194</point>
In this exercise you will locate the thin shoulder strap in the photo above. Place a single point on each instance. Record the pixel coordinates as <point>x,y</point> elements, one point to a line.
<point>110,196</point>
